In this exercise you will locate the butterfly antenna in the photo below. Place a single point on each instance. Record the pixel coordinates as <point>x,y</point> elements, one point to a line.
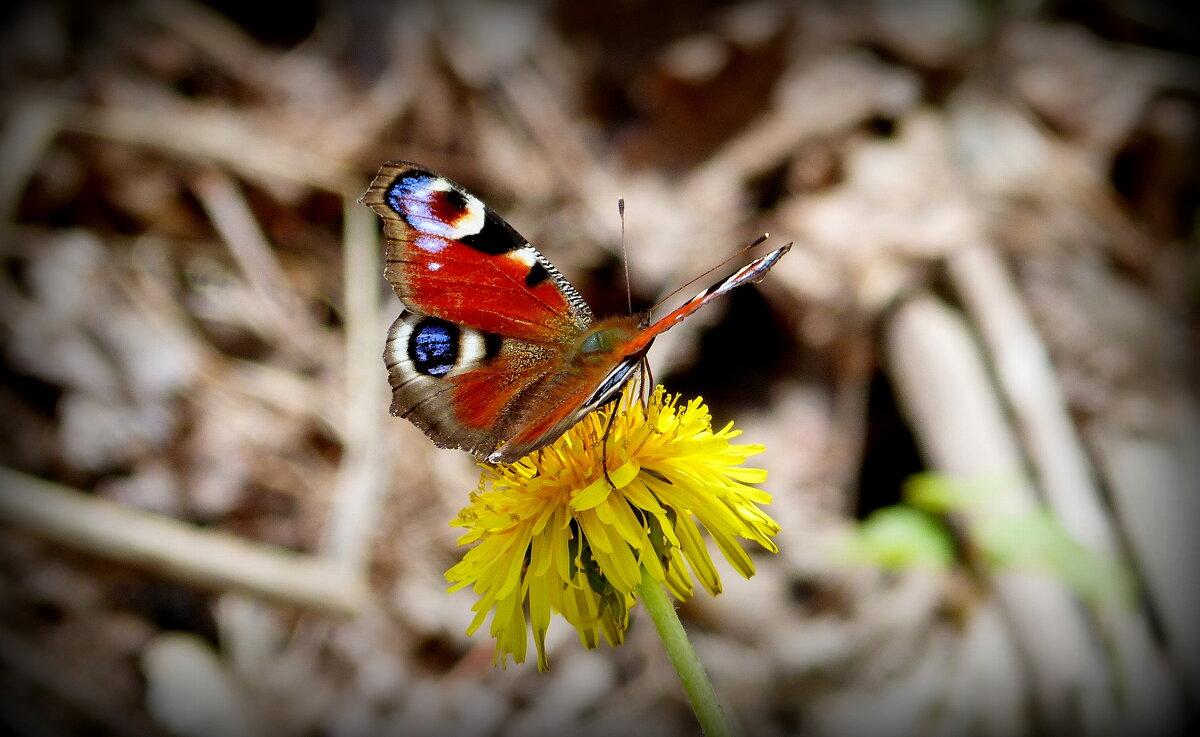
<point>705,275</point>
<point>625,255</point>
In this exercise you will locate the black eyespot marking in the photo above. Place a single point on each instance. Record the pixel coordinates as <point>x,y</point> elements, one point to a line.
<point>496,237</point>
<point>433,346</point>
<point>415,177</point>
<point>537,274</point>
<point>455,200</point>
<point>491,345</point>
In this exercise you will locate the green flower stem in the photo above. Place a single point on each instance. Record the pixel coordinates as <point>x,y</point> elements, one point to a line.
<point>683,656</point>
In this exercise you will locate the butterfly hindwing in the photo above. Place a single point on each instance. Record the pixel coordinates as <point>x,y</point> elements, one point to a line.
<point>496,399</point>
<point>450,256</point>
<point>458,384</point>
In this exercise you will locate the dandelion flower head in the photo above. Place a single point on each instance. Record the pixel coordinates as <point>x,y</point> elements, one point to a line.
<point>554,534</point>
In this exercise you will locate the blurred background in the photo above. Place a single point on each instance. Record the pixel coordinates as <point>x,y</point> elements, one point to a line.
<point>973,373</point>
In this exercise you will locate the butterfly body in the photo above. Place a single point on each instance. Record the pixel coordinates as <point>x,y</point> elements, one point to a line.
<point>496,353</point>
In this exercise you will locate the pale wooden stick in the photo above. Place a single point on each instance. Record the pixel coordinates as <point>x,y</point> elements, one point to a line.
<point>1153,478</point>
<point>174,548</point>
<point>944,388</point>
<point>360,484</point>
<point>1030,389</point>
<point>212,134</point>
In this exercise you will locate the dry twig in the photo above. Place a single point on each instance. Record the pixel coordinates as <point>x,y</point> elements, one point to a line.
<point>176,549</point>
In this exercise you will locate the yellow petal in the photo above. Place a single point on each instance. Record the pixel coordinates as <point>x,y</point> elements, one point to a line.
<point>598,490</point>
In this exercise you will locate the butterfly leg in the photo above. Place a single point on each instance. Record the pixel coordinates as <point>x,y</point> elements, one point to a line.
<point>645,379</point>
<point>604,448</point>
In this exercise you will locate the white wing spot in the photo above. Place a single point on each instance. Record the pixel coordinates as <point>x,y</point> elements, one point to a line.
<point>525,255</point>
<point>471,348</point>
<point>434,266</point>
<point>471,220</point>
<point>398,342</point>
<point>430,243</point>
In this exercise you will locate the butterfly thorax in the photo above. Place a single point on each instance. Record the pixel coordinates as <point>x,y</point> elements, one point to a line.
<point>605,340</point>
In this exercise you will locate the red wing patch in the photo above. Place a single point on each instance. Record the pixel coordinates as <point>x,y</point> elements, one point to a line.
<point>450,256</point>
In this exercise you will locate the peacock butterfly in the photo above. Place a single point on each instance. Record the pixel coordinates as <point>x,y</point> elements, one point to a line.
<point>496,353</point>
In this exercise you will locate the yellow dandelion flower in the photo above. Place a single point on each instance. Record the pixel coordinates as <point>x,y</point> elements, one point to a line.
<point>554,535</point>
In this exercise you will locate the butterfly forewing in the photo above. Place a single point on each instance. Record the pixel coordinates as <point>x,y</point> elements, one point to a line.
<point>450,256</point>
<point>751,272</point>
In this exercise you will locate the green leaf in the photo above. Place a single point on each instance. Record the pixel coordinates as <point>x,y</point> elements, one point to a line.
<point>900,537</point>
<point>940,493</point>
<point>1035,540</point>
